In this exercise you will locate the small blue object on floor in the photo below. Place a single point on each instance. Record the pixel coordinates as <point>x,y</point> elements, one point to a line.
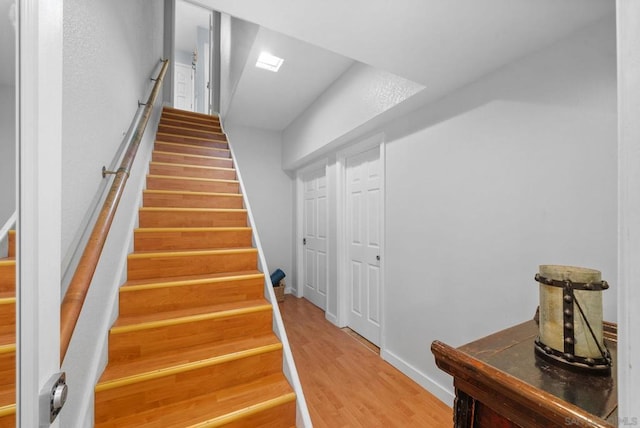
<point>277,276</point>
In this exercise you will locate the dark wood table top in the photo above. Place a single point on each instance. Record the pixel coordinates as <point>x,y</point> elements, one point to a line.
<point>505,363</point>
<point>511,351</point>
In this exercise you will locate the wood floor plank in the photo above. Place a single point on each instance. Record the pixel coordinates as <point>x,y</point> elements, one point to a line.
<point>346,384</point>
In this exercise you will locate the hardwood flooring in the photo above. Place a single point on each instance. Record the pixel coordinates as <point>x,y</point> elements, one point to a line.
<point>346,384</point>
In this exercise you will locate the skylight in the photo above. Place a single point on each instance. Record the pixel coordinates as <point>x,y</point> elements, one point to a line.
<point>269,62</point>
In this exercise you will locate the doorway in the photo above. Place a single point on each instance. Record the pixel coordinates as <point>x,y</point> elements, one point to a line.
<point>314,236</point>
<point>361,275</point>
<point>193,42</point>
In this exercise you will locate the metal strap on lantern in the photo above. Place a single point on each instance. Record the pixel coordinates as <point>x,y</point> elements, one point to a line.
<point>571,318</point>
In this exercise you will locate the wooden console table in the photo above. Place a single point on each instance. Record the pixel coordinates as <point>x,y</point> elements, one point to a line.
<point>499,382</point>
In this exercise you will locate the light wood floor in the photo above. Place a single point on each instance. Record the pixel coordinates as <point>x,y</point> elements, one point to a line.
<point>346,384</point>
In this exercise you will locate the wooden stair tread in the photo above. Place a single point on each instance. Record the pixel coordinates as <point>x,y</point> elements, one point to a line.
<point>185,359</point>
<point>185,253</point>
<point>190,229</point>
<point>214,409</point>
<point>190,192</point>
<point>7,342</point>
<point>189,155</point>
<point>186,165</point>
<point>186,146</point>
<point>177,130</point>
<point>186,315</point>
<point>176,177</point>
<point>178,280</point>
<point>187,113</point>
<point>200,126</point>
<point>208,210</point>
<point>7,294</point>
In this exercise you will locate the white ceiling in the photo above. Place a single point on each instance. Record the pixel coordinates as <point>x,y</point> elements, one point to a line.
<point>268,100</point>
<point>441,44</point>
<point>7,45</point>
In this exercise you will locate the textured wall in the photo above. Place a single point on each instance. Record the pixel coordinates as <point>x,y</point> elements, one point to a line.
<point>110,51</point>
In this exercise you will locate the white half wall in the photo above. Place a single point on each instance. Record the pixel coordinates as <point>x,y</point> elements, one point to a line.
<point>515,170</point>
<point>270,192</point>
<point>7,152</point>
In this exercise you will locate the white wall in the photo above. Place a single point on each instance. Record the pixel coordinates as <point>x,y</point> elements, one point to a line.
<point>236,39</point>
<point>515,170</point>
<point>269,190</point>
<point>111,49</point>
<point>7,152</point>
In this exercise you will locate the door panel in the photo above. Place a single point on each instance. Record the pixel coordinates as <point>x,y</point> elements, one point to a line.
<point>363,208</point>
<point>315,237</point>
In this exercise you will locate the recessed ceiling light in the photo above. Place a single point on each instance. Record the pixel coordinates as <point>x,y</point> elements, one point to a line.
<point>269,62</point>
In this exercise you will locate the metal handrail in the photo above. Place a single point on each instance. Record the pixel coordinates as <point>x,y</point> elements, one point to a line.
<point>81,280</point>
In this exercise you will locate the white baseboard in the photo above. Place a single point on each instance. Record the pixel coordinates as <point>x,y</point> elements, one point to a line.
<point>444,394</point>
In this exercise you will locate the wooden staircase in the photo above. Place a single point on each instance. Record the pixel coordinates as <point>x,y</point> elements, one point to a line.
<point>8,336</point>
<point>193,345</point>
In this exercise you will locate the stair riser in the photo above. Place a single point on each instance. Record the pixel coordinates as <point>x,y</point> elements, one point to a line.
<point>7,370</point>
<point>187,131</point>
<point>7,318</point>
<point>180,265</point>
<point>192,160</point>
<point>191,240</point>
<point>190,149</point>
<point>12,243</point>
<point>217,142</point>
<point>189,117</point>
<point>155,393</point>
<point>173,338</point>
<point>194,172</point>
<point>191,125</point>
<point>143,302</point>
<point>186,200</point>
<point>195,185</point>
<point>8,421</point>
<point>192,219</point>
<point>7,276</point>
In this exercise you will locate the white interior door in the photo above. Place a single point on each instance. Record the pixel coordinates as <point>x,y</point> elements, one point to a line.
<point>364,232</point>
<point>183,87</point>
<point>315,237</point>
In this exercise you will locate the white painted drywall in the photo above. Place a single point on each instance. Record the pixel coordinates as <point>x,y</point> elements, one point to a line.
<point>270,192</point>
<point>236,39</point>
<point>515,170</point>
<point>111,49</point>
<point>356,97</point>
<point>7,152</point>
<point>629,206</point>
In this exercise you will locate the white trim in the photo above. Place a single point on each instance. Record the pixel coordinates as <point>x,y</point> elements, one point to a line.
<point>441,392</point>
<point>628,37</point>
<point>377,140</point>
<point>39,133</point>
<point>303,419</point>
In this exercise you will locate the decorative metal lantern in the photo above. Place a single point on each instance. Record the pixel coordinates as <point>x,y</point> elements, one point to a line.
<point>571,332</point>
